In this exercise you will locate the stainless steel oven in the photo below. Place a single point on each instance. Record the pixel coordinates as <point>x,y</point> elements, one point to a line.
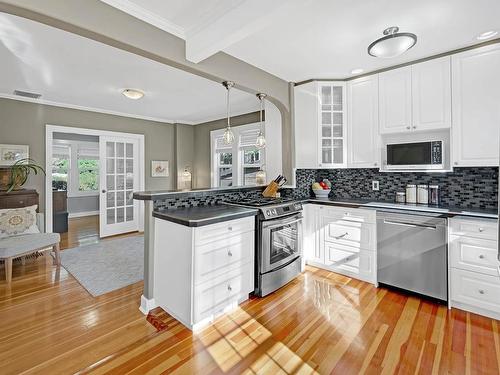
<point>281,241</point>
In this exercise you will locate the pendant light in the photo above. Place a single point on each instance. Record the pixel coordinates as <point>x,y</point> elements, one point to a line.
<point>261,140</point>
<point>392,44</point>
<point>228,137</point>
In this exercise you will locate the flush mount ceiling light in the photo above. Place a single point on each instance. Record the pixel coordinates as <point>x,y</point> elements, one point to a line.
<point>133,94</point>
<point>487,35</point>
<point>392,44</point>
<point>357,71</point>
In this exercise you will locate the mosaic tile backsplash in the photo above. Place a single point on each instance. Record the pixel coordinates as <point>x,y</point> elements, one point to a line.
<point>464,187</point>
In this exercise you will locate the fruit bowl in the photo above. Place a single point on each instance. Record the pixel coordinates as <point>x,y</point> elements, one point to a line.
<point>322,193</point>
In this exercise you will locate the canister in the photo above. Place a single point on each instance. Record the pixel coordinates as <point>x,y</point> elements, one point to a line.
<point>411,193</point>
<point>423,194</point>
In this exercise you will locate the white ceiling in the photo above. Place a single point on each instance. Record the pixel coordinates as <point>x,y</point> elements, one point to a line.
<point>73,71</point>
<point>303,39</point>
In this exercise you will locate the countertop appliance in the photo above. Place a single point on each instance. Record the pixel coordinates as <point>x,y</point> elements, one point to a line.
<point>428,155</point>
<point>412,253</point>
<point>278,242</point>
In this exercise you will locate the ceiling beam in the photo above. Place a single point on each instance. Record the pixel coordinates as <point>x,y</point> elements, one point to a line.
<point>237,23</point>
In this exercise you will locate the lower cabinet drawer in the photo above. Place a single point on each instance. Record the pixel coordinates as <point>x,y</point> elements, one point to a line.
<point>213,297</point>
<point>474,289</point>
<point>474,254</point>
<point>360,264</point>
<point>352,234</point>
<point>216,232</point>
<point>477,228</point>
<point>216,258</point>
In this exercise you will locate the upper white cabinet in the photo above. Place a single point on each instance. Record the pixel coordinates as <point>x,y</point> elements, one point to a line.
<point>431,94</point>
<point>476,106</point>
<point>395,101</point>
<point>362,123</point>
<point>320,125</point>
<point>416,98</point>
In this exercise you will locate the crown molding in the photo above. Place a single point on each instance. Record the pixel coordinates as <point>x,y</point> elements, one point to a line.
<point>145,15</point>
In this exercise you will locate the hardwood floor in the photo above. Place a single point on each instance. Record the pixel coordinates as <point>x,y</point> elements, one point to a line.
<point>319,323</point>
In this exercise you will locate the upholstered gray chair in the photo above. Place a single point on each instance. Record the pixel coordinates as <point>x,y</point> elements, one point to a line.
<point>26,244</point>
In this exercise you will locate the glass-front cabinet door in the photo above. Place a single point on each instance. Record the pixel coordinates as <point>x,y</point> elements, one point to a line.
<point>332,109</point>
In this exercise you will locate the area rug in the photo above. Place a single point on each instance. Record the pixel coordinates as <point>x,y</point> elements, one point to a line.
<point>108,265</point>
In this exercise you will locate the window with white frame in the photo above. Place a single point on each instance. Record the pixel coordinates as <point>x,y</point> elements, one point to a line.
<point>236,164</point>
<point>75,167</point>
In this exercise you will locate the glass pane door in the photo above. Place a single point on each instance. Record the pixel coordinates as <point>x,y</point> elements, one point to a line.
<point>332,124</point>
<point>120,179</point>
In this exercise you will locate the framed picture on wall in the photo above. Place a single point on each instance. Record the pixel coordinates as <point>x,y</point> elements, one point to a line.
<point>9,154</point>
<point>159,168</point>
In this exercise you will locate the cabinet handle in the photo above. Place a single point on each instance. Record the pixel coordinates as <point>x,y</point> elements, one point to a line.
<point>481,256</point>
<point>408,127</point>
<point>481,291</point>
<point>229,288</point>
<point>456,163</point>
<point>481,230</point>
<point>375,164</point>
<point>229,228</point>
<point>414,127</point>
<point>229,253</point>
<point>342,236</point>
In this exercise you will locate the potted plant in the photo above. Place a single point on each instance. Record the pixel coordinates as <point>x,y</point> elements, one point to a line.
<point>15,176</point>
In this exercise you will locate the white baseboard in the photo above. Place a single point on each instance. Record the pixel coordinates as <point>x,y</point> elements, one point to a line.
<point>147,305</point>
<point>72,215</point>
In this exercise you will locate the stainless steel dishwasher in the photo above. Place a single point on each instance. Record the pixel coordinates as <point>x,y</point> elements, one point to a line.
<point>412,253</point>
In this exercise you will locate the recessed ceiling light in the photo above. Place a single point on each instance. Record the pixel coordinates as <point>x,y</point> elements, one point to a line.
<point>487,35</point>
<point>392,44</point>
<point>357,71</point>
<point>133,94</point>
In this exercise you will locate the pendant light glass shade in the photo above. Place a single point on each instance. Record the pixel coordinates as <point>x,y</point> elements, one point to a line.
<point>261,140</point>
<point>228,137</point>
<point>260,177</point>
<point>392,44</point>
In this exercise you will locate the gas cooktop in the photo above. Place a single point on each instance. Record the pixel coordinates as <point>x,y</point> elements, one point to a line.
<point>270,208</point>
<point>260,201</point>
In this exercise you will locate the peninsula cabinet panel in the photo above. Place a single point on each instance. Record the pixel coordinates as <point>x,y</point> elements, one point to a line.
<point>395,101</point>
<point>431,94</point>
<point>362,123</point>
<point>476,107</point>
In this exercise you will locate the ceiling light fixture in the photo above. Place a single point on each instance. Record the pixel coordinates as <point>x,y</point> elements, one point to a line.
<point>487,35</point>
<point>392,44</point>
<point>133,94</point>
<point>357,71</point>
<point>228,137</point>
<point>261,140</point>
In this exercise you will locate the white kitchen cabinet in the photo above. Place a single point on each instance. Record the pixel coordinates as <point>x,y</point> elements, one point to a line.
<point>476,106</point>
<point>320,125</point>
<point>395,101</point>
<point>362,123</point>
<point>431,94</point>
<point>473,266</point>
<point>342,240</point>
<point>202,272</point>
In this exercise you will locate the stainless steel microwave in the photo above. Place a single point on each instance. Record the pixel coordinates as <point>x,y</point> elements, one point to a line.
<point>426,155</point>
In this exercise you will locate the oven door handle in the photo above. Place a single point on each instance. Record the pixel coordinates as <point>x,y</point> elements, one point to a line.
<point>273,224</point>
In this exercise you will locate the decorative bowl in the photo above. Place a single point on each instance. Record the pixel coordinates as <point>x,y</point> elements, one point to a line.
<point>321,193</point>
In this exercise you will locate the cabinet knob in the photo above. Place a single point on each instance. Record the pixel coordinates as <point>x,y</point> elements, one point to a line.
<point>103,191</point>
<point>229,288</point>
<point>229,228</point>
<point>481,256</point>
<point>229,253</point>
<point>456,163</point>
<point>414,127</point>
<point>408,127</point>
<point>21,202</point>
<point>481,230</point>
<point>375,164</point>
<point>320,165</point>
<point>481,291</point>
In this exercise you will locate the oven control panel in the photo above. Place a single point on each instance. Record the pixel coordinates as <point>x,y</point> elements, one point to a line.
<point>277,211</point>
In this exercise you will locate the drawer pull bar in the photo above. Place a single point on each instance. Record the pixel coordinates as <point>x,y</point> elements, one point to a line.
<point>342,236</point>
<point>229,253</point>
<point>229,288</point>
<point>481,291</point>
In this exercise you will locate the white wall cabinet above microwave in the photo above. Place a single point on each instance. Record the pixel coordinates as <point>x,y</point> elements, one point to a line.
<point>320,125</point>
<point>416,97</point>
<point>476,107</point>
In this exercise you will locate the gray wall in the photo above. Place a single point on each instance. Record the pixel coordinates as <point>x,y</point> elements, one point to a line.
<point>24,123</point>
<point>201,154</point>
<point>83,204</point>
<point>184,151</point>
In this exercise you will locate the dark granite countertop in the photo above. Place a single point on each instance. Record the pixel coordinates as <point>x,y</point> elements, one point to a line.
<point>445,210</point>
<point>166,194</point>
<point>204,215</point>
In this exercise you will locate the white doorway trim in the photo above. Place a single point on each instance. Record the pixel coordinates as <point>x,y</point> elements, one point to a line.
<point>49,138</point>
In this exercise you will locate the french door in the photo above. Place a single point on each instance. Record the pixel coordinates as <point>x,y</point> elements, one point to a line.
<point>119,178</point>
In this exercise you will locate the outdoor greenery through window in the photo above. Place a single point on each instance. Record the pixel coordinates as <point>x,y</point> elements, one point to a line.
<point>88,174</point>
